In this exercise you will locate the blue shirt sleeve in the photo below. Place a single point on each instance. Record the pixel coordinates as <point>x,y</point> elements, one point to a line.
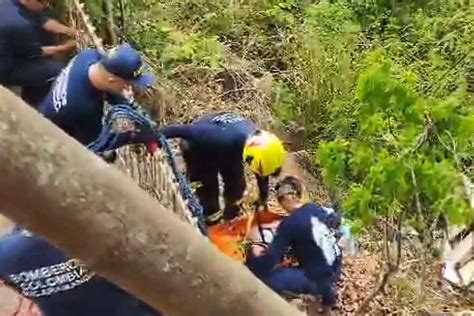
<point>276,250</point>
<point>41,18</point>
<point>29,46</point>
<point>178,131</point>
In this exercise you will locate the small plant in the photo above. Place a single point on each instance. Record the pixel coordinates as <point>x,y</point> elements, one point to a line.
<point>202,51</point>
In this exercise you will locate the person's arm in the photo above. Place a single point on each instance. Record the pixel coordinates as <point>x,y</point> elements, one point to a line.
<point>276,250</point>
<point>53,26</point>
<point>23,42</point>
<point>263,187</point>
<point>178,131</point>
<point>65,48</point>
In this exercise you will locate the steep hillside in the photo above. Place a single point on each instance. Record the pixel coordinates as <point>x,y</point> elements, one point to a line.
<point>376,96</point>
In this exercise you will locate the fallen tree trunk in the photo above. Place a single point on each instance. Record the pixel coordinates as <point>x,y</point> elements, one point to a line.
<point>54,187</point>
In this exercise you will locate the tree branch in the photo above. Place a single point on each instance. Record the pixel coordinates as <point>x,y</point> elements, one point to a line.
<point>109,21</point>
<point>390,269</point>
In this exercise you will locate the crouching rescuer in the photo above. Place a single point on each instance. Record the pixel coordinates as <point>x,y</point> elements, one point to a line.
<point>60,285</point>
<point>223,143</point>
<point>310,232</point>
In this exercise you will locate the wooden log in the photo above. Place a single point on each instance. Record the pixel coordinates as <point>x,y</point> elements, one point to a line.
<point>54,187</point>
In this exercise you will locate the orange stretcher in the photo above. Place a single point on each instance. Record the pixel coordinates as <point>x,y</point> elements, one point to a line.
<point>230,237</point>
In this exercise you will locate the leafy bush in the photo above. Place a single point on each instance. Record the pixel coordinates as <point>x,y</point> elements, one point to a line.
<point>379,86</point>
<point>404,154</point>
<point>364,113</point>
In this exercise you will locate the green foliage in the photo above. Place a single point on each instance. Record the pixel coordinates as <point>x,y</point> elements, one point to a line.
<point>322,66</point>
<point>397,161</point>
<point>169,46</point>
<point>151,37</point>
<point>379,86</point>
<point>203,51</point>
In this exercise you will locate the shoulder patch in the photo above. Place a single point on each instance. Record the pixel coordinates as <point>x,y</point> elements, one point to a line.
<point>122,125</point>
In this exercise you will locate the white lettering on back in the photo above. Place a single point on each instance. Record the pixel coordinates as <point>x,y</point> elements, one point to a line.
<point>46,281</point>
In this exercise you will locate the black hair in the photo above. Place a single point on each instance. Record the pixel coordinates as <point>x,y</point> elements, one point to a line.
<point>291,182</point>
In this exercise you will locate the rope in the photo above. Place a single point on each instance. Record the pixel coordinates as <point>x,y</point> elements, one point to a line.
<point>185,187</point>
<point>90,29</point>
<point>181,196</point>
<point>125,125</point>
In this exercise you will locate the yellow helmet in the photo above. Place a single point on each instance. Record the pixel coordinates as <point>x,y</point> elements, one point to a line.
<point>264,153</point>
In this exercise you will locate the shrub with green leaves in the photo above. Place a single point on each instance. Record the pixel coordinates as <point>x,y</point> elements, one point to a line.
<point>403,156</point>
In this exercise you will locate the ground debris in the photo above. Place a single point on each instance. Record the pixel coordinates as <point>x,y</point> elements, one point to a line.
<point>359,278</point>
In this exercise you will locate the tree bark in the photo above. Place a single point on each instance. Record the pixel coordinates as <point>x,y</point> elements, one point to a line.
<point>54,187</point>
<point>109,22</point>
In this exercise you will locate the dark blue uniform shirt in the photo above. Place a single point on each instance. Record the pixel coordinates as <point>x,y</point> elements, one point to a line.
<point>59,285</point>
<point>313,244</point>
<point>19,35</point>
<point>218,135</point>
<point>74,104</point>
<point>219,139</point>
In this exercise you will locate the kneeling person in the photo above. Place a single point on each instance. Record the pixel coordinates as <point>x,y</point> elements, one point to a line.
<point>59,285</point>
<point>308,230</point>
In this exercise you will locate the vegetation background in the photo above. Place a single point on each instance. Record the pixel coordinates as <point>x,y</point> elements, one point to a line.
<point>377,96</point>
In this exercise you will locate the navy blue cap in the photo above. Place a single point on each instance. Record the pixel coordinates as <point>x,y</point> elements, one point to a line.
<point>125,62</point>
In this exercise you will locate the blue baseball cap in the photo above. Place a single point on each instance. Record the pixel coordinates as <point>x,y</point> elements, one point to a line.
<point>125,62</point>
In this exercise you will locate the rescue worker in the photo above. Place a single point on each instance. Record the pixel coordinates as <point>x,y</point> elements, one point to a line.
<point>76,100</point>
<point>222,143</point>
<point>309,231</point>
<point>25,60</point>
<point>59,285</point>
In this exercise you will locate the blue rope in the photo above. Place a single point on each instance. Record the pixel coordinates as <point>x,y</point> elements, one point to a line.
<point>140,128</point>
<point>137,128</point>
<point>186,192</point>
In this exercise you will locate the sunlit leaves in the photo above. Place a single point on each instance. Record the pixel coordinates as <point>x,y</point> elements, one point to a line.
<point>404,156</point>
<point>334,155</point>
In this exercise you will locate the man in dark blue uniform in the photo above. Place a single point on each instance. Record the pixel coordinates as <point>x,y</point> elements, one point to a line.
<point>60,285</point>
<point>76,100</point>
<point>24,59</point>
<point>310,232</point>
<point>221,144</point>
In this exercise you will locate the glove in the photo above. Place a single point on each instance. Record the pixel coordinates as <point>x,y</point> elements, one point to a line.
<point>109,156</point>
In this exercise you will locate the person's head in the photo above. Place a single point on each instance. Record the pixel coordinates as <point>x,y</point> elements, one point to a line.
<point>289,191</point>
<point>35,5</point>
<point>119,69</point>
<point>264,153</point>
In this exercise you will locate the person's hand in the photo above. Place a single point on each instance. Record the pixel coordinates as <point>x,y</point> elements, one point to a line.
<point>73,32</point>
<point>130,96</point>
<point>68,47</point>
<point>109,156</point>
<point>258,250</point>
<point>153,146</point>
<point>260,206</point>
<point>56,50</point>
